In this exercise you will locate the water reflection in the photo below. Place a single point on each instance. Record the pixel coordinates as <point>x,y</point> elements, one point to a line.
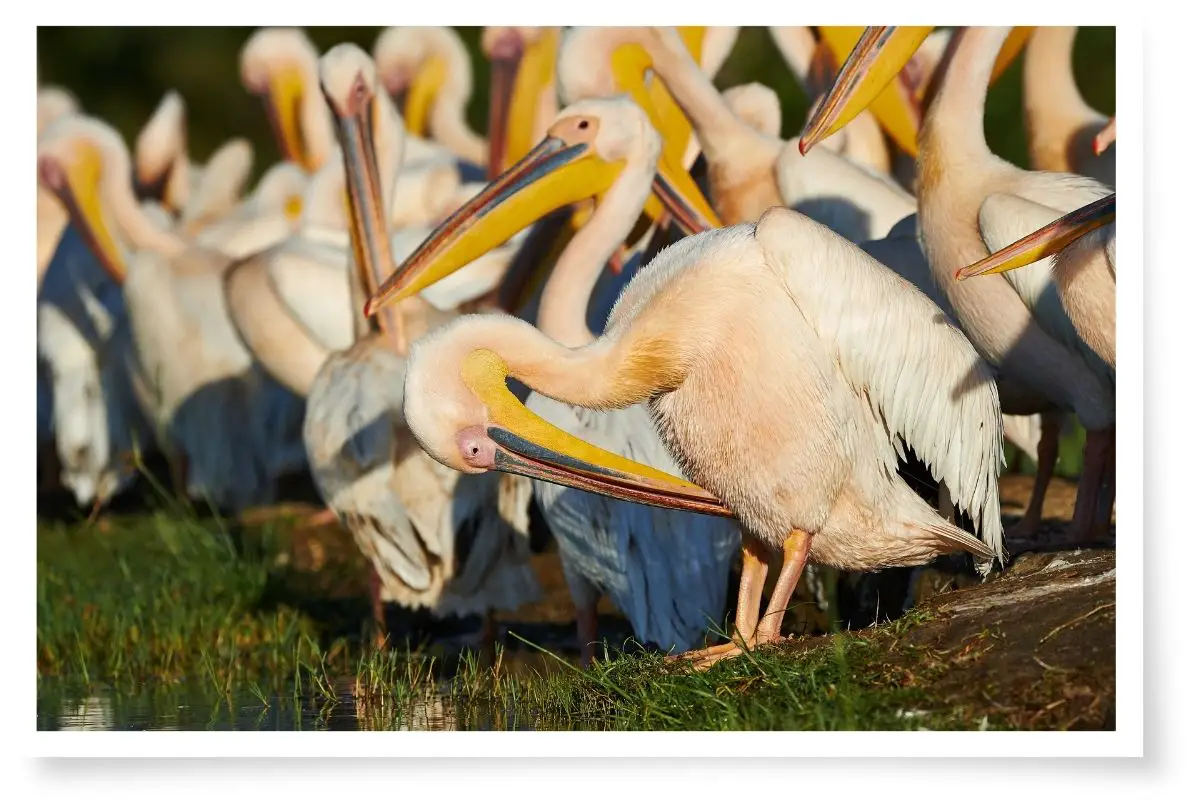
<point>342,705</point>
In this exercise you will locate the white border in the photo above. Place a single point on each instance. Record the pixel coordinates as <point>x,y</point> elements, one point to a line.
<point>1127,740</point>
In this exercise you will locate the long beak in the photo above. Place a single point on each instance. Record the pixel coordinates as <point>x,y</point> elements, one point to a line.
<point>528,445</point>
<point>369,233</point>
<point>682,198</point>
<point>418,99</point>
<point>506,60</point>
<point>1046,241</point>
<point>866,79</point>
<point>77,185</point>
<point>551,176</point>
<point>674,189</point>
<point>285,93</point>
<point>1016,40</point>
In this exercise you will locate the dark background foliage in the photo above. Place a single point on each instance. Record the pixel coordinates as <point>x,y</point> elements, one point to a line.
<point>120,74</point>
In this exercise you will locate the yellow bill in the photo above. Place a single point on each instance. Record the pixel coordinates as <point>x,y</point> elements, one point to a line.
<point>1045,241</point>
<point>528,445</point>
<point>76,183</point>
<point>419,97</point>
<point>871,58</point>
<point>285,94</point>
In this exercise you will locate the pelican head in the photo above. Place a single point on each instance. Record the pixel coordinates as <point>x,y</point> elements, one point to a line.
<point>280,65</point>
<point>1045,241</point>
<point>53,102</point>
<point>522,62</point>
<point>461,412</point>
<point>159,147</point>
<point>586,150</point>
<point>627,53</point>
<point>77,157</point>
<point>414,65</point>
<point>351,86</point>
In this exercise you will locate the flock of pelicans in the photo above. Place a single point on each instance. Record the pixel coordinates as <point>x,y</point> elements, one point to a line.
<point>632,303</point>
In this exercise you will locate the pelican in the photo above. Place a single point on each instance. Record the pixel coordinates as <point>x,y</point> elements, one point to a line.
<point>266,217</point>
<point>428,71</point>
<point>1035,434</point>
<point>53,103</point>
<point>862,140</point>
<point>1083,244</point>
<point>1059,124</point>
<point>666,571</point>
<point>1018,325</point>
<point>280,65</point>
<point>164,172</point>
<point>222,421</point>
<point>522,62</point>
<point>84,341</point>
<point>454,544</point>
<point>291,304</point>
<point>714,326</point>
<point>747,172</point>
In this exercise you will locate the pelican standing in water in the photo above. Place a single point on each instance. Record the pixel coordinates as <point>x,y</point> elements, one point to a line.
<point>729,337</point>
<point>665,570</point>
<point>455,544</point>
<point>966,211</point>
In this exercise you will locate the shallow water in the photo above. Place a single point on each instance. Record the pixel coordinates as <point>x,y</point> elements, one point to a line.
<point>430,706</point>
<point>189,708</point>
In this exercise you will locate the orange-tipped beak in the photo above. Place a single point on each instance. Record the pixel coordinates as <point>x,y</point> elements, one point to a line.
<point>1046,241</point>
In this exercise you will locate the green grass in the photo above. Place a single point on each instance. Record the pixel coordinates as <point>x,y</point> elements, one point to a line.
<point>161,598</point>
<point>166,617</point>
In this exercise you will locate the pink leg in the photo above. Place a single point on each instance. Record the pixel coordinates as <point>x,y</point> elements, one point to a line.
<point>795,554</point>
<point>1097,449</point>
<point>1047,458</point>
<point>750,589</point>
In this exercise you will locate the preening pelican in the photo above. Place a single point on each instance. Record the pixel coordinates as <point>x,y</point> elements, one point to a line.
<point>84,340</point>
<point>1018,325</point>
<point>665,570</point>
<point>427,70</point>
<point>455,544</point>
<point>280,65</point>
<point>1059,124</point>
<point>222,421</point>
<point>1084,246</point>
<point>747,172</point>
<point>710,329</point>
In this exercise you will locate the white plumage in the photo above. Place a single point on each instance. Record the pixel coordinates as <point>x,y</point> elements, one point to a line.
<point>433,535</point>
